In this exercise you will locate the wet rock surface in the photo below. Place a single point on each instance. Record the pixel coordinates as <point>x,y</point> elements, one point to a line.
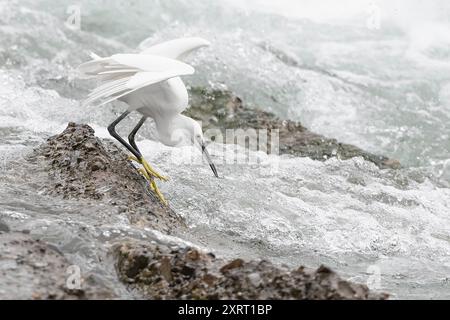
<point>31,269</point>
<point>3,227</point>
<point>162,272</point>
<point>223,110</point>
<point>79,165</point>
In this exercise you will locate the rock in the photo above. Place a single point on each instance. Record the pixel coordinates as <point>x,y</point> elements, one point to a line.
<point>160,273</point>
<point>81,166</point>
<point>77,165</point>
<point>3,227</point>
<point>255,279</point>
<point>222,110</point>
<point>237,263</point>
<point>29,269</point>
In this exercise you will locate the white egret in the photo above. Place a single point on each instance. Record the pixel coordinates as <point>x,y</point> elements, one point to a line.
<point>149,82</point>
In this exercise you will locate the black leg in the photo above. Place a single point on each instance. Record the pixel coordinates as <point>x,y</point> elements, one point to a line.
<point>112,132</point>
<point>132,134</point>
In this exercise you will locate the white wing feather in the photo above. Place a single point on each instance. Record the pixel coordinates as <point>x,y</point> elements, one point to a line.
<point>149,62</point>
<point>125,73</point>
<point>177,48</point>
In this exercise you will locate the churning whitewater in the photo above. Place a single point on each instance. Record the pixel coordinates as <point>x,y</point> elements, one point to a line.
<point>386,91</point>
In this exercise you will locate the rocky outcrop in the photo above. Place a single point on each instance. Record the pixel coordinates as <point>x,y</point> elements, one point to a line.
<point>79,165</point>
<point>3,227</point>
<point>32,269</point>
<point>162,272</point>
<point>222,110</point>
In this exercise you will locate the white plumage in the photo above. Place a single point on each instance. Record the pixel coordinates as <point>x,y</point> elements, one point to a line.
<point>126,73</point>
<point>150,83</point>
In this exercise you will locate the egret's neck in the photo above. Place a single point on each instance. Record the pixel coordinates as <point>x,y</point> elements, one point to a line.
<point>170,128</point>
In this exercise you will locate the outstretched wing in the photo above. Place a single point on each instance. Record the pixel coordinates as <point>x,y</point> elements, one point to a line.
<point>124,73</point>
<point>177,48</point>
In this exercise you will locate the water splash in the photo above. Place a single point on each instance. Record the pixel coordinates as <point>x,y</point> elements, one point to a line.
<point>384,91</point>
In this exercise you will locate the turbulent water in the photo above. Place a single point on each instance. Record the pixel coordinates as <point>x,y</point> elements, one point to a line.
<point>386,90</point>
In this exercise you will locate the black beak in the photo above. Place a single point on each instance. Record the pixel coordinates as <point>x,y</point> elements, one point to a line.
<point>208,158</point>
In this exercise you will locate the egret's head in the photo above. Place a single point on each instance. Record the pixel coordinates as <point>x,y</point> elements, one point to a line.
<point>193,133</point>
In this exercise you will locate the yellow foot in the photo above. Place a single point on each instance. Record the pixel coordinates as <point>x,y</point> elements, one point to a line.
<point>151,172</point>
<point>158,192</point>
<point>153,186</point>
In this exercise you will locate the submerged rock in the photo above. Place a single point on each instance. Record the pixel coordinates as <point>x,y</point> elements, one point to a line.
<point>31,269</point>
<point>3,227</point>
<point>161,272</point>
<point>80,166</point>
<point>222,110</point>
